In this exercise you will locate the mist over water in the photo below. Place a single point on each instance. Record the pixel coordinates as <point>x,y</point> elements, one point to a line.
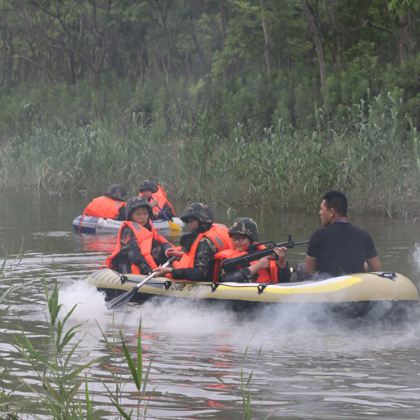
<point>305,362</point>
<point>295,328</point>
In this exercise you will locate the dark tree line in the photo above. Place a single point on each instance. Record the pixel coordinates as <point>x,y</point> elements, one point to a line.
<point>320,41</point>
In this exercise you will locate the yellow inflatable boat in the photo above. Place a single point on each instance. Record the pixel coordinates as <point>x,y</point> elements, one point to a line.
<point>361,288</point>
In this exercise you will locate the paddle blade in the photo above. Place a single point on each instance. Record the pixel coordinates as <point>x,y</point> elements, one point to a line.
<point>121,300</point>
<point>174,226</point>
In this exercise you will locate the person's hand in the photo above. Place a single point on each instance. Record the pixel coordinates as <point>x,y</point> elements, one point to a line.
<point>161,271</point>
<point>153,202</point>
<point>280,252</point>
<point>174,252</point>
<point>262,263</point>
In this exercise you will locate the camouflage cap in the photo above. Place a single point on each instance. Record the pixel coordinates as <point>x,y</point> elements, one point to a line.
<point>148,185</point>
<point>136,202</point>
<point>245,226</point>
<point>198,211</point>
<point>116,191</point>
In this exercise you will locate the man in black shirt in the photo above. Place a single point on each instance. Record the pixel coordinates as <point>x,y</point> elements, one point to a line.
<point>339,247</point>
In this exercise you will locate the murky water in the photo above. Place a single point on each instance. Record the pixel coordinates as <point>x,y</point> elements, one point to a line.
<point>196,354</point>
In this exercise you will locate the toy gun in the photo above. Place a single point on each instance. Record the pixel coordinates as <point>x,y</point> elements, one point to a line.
<point>255,254</point>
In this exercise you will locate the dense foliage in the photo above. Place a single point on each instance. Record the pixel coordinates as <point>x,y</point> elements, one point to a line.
<point>260,100</point>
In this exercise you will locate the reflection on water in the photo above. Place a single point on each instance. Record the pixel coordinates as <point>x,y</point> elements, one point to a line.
<point>300,369</point>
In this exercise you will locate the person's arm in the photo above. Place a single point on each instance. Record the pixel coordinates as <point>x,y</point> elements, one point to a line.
<point>203,264</point>
<point>310,264</point>
<point>372,259</point>
<point>136,257</point>
<point>373,264</point>
<point>159,252</point>
<point>242,275</point>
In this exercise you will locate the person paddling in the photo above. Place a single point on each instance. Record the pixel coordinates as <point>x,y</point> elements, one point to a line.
<point>198,247</point>
<point>339,247</point>
<point>270,269</point>
<point>110,205</point>
<point>139,247</point>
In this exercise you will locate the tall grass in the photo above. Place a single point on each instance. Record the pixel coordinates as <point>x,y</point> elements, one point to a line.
<point>64,381</point>
<point>369,149</point>
<point>54,365</point>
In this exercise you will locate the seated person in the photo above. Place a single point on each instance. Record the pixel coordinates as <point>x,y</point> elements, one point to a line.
<point>111,205</point>
<point>198,247</point>
<point>156,196</point>
<point>269,269</point>
<point>339,247</point>
<point>139,247</point>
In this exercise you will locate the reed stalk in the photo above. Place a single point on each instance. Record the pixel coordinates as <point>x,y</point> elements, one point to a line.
<point>64,390</point>
<point>366,147</point>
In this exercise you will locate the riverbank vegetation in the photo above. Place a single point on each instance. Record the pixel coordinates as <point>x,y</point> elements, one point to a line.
<point>268,103</point>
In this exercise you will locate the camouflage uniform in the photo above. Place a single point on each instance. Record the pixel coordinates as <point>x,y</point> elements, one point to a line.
<point>247,227</point>
<point>130,251</point>
<point>204,257</point>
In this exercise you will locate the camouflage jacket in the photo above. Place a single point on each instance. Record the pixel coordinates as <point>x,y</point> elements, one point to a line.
<point>203,263</point>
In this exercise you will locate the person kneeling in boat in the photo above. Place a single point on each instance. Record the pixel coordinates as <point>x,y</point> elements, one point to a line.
<point>140,249</point>
<point>110,205</point>
<point>155,195</point>
<point>270,269</point>
<point>196,255</point>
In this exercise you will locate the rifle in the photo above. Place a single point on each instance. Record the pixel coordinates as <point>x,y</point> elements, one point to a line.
<point>232,263</point>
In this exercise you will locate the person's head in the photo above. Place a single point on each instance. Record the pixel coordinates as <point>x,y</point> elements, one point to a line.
<point>333,206</point>
<point>116,192</point>
<point>198,216</point>
<point>139,210</point>
<point>147,188</point>
<point>243,232</point>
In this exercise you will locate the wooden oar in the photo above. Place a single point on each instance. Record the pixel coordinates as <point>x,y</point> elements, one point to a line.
<point>121,300</point>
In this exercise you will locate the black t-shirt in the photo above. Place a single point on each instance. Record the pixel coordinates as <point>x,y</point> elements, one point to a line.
<point>341,248</point>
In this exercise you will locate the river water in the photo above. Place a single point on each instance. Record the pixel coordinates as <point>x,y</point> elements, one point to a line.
<point>300,369</point>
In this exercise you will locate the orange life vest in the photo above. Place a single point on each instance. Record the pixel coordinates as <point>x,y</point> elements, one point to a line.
<point>103,207</point>
<point>218,234</point>
<point>265,275</point>
<point>144,238</point>
<point>162,199</point>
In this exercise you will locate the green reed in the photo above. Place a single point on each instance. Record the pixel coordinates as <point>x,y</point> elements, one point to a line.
<point>369,150</point>
<point>64,390</point>
<point>245,385</point>
<point>53,364</point>
<point>139,375</point>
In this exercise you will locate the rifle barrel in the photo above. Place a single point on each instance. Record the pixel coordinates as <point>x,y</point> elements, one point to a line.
<point>252,256</point>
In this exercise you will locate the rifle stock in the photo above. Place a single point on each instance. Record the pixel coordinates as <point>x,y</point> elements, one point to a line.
<point>231,263</point>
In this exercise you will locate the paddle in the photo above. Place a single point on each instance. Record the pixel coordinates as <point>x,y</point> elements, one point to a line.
<point>174,226</point>
<point>121,300</point>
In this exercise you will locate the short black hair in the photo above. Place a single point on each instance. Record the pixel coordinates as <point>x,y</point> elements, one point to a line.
<point>336,200</point>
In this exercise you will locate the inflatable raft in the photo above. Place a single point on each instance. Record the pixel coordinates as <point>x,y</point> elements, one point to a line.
<point>363,289</point>
<point>90,224</point>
